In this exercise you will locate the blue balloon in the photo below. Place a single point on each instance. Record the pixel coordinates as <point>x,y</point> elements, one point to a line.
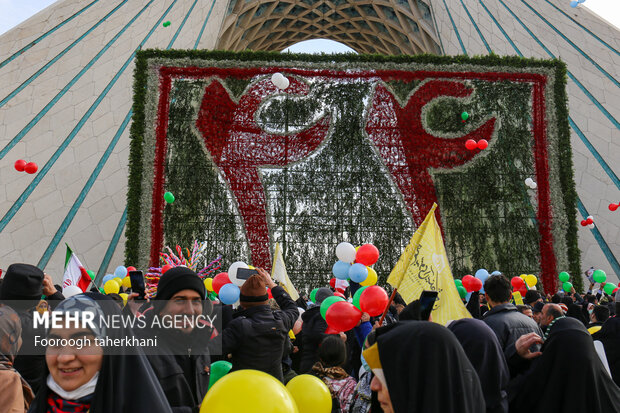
<point>120,271</point>
<point>229,293</point>
<point>482,275</point>
<point>574,3</point>
<point>341,270</point>
<point>358,272</point>
<point>107,278</point>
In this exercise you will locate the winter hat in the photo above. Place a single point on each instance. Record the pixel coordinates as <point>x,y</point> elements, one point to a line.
<point>177,279</point>
<point>253,292</point>
<point>22,282</point>
<point>531,296</point>
<point>321,294</point>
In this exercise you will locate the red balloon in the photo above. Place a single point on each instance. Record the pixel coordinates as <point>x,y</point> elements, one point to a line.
<point>612,207</point>
<point>467,280</point>
<point>339,294</point>
<point>475,285</point>
<point>517,282</point>
<point>31,167</point>
<point>589,221</point>
<point>20,164</point>
<point>332,283</point>
<point>166,268</point>
<point>615,289</point>
<point>482,144</point>
<point>269,293</point>
<point>367,254</point>
<point>130,268</point>
<point>220,280</point>
<point>522,290</point>
<point>340,290</point>
<point>342,316</point>
<point>471,144</point>
<point>373,300</point>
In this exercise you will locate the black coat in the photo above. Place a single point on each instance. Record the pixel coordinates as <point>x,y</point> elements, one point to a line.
<point>256,336</point>
<point>609,335</point>
<point>313,332</point>
<point>182,365</point>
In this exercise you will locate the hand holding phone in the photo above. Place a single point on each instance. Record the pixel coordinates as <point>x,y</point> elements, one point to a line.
<point>427,302</point>
<point>137,283</point>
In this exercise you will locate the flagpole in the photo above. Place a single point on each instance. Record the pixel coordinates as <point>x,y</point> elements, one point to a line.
<point>387,307</point>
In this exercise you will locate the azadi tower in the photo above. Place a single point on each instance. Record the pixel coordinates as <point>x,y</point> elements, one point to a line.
<point>66,96</point>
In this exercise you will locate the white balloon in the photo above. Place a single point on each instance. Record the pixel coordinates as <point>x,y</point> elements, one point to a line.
<point>591,226</point>
<point>71,290</point>
<point>590,217</point>
<point>345,252</point>
<point>529,181</point>
<point>276,78</point>
<point>232,272</point>
<point>284,83</point>
<point>534,185</point>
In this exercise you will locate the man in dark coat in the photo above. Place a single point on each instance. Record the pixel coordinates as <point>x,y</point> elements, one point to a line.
<point>182,361</point>
<point>313,331</point>
<point>507,323</point>
<point>22,288</point>
<point>256,336</point>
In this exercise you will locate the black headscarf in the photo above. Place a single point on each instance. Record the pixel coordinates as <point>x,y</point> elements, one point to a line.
<point>426,369</point>
<point>557,380</point>
<point>126,382</point>
<point>485,354</point>
<point>609,335</point>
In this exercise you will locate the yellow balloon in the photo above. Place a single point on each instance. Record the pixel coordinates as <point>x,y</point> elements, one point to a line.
<point>125,297</point>
<point>209,284</point>
<point>119,281</point>
<point>251,267</point>
<point>310,394</point>
<point>248,391</point>
<point>127,282</point>
<point>111,286</point>
<point>371,279</point>
<point>531,280</point>
<point>522,276</point>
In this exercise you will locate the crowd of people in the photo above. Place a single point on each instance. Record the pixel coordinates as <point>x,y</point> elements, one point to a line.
<point>553,353</point>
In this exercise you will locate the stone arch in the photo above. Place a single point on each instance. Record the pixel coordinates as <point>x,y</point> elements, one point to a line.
<point>366,26</point>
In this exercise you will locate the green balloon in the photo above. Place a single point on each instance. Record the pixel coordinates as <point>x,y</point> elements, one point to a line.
<point>567,286</point>
<point>564,277</point>
<point>169,197</point>
<point>328,302</point>
<point>166,24</point>
<point>462,291</point>
<point>599,276</point>
<point>464,115</point>
<point>313,295</point>
<point>218,370</point>
<point>356,298</point>
<point>458,283</point>
<point>91,274</point>
<point>609,288</point>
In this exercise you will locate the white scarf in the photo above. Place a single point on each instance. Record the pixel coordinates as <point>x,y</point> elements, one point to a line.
<point>83,390</point>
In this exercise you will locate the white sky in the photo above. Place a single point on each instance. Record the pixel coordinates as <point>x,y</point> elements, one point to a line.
<point>16,11</point>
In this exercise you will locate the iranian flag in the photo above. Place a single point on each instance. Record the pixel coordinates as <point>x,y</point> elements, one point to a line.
<point>75,273</point>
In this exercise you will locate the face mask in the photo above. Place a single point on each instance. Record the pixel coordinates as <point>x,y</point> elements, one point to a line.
<point>590,311</point>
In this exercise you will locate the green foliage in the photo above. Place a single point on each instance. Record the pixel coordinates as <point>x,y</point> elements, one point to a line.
<point>343,192</point>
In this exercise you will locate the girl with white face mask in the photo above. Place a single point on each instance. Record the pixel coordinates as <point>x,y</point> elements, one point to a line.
<point>88,378</point>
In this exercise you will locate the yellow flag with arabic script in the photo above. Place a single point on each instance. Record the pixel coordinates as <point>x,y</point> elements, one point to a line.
<point>278,273</point>
<point>424,266</point>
